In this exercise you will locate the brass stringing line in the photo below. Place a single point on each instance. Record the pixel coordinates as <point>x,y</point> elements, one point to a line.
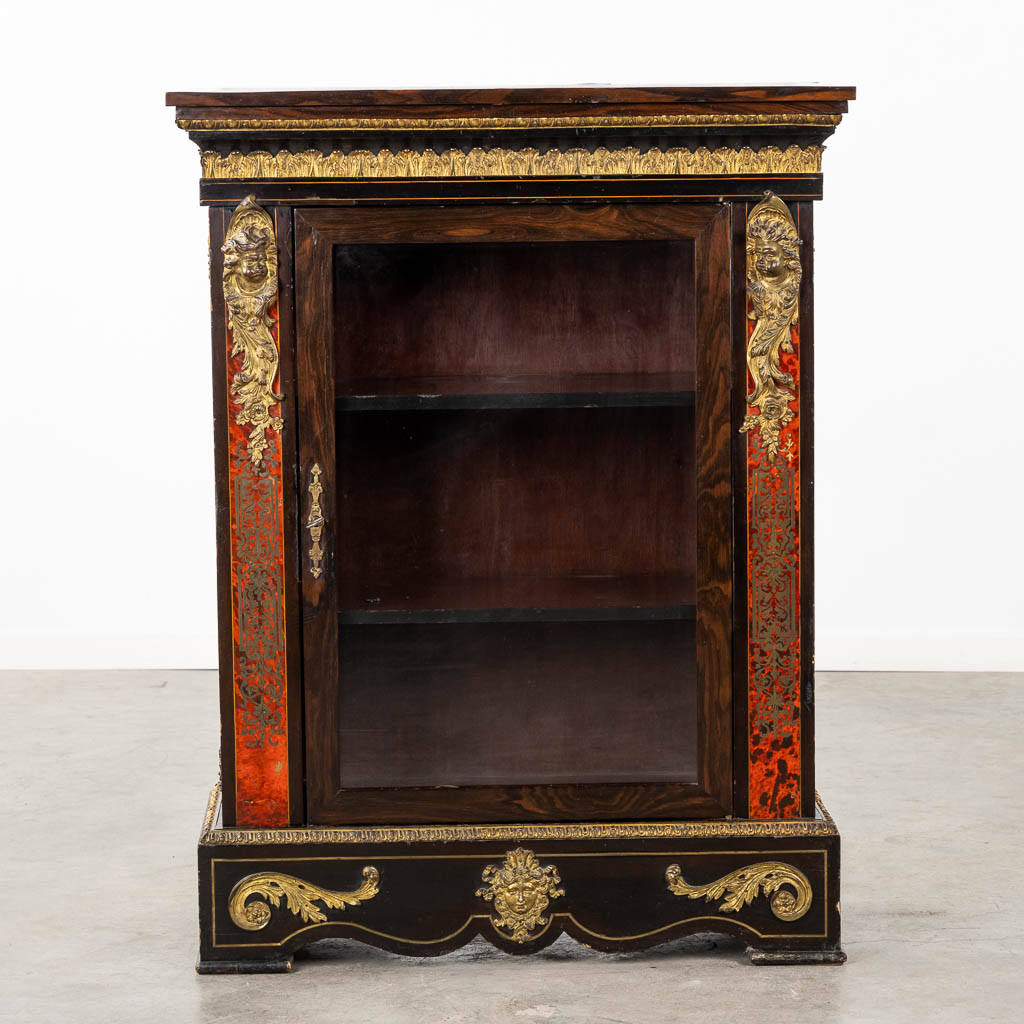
<point>798,521</point>
<point>560,854</point>
<point>485,917</point>
<point>284,594</point>
<point>674,924</point>
<point>362,927</point>
<point>232,512</point>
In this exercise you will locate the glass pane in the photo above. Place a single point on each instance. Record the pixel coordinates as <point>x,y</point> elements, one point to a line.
<point>515,439</point>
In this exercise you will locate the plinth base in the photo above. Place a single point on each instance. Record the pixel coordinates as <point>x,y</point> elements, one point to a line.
<point>426,890</point>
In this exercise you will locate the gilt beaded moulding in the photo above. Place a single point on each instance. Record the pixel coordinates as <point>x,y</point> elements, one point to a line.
<point>214,835</point>
<point>434,124</point>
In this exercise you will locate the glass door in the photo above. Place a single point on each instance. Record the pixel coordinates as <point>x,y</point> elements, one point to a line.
<point>513,496</point>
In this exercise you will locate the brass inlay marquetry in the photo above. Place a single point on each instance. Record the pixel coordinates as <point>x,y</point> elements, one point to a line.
<point>300,898</point>
<point>315,523</point>
<point>743,886</point>
<point>512,163</point>
<point>298,124</point>
<point>773,289</point>
<point>250,289</point>
<point>521,891</point>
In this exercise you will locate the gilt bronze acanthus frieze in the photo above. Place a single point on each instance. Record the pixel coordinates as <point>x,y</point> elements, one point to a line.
<point>500,162</point>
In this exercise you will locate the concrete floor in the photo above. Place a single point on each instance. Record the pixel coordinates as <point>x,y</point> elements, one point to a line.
<point>106,777</point>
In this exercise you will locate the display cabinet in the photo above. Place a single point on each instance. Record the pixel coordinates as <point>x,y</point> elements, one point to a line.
<point>512,404</point>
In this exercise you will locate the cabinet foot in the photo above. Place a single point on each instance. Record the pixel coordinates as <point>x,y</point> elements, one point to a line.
<point>280,966</point>
<point>794,957</point>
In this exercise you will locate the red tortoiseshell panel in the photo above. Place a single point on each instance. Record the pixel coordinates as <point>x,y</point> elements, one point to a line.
<point>258,623</point>
<point>773,615</point>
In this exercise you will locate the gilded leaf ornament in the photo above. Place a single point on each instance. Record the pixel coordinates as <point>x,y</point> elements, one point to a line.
<point>773,291</point>
<point>500,162</point>
<point>742,887</point>
<point>300,898</point>
<point>521,891</point>
<point>250,290</point>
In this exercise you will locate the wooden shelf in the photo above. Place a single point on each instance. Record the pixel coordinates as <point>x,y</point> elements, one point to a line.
<point>587,598</point>
<point>516,391</point>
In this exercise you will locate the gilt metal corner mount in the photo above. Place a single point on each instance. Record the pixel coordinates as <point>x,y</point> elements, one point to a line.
<point>773,292</point>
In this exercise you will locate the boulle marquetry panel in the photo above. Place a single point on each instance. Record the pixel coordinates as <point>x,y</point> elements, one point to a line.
<point>256,500</point>
<point>772,426</point>
<point>513,398</point>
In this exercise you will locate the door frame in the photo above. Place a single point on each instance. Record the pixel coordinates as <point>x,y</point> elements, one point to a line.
<point>708,226</point>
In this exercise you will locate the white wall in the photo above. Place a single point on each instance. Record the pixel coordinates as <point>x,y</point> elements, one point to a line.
<point>107,496</point>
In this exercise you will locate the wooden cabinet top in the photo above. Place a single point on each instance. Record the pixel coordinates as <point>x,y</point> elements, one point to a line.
<point>579,101</point>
